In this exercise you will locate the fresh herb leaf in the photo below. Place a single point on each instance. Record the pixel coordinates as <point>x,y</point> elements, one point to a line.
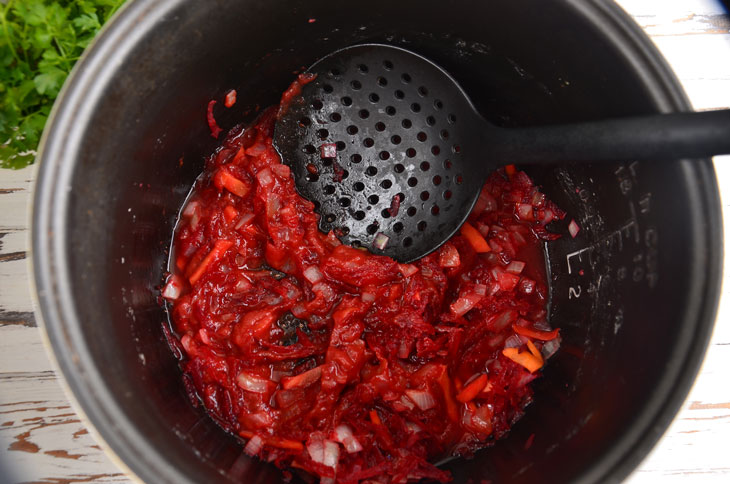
<point>40,40</point>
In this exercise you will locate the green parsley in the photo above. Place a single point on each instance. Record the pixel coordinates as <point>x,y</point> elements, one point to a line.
<point>40,40</point>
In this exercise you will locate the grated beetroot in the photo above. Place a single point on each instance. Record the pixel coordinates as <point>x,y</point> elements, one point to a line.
<point>339,362</point>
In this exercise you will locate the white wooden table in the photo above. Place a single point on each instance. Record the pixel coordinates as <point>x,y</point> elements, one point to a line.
<point>42,439</point>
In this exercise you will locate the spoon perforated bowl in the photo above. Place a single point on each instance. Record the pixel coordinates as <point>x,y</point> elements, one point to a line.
<point>393,154</point>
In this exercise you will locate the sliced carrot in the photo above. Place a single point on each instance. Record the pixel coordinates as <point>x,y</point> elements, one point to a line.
<point>476,240</point>
<point>536,333</point>
<point>180,263</point>
<point>274,441</point>
<point>375,418</point>
<point>472,389</point>
<point>451,409</point>
<point>283,443</point>
<point>302,379</point>
<point>535,352</point>
<point>525,359</point>
<point>510,170</point>
<point>240,157</point>
<point>457,384</point>
<point>230,213</point>
<point>223,178</point>
<point>487,388</point>
<point>220,248</point>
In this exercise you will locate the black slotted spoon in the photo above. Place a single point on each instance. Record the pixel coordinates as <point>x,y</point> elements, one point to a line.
<point>393,153</point>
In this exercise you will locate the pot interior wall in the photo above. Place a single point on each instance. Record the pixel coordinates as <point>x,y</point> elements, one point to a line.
<point>622,292</point>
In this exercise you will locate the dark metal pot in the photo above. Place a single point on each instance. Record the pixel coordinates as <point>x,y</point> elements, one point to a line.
<point>635,294</point>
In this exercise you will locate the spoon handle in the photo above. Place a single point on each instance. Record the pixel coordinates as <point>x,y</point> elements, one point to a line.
<point>662,136</point>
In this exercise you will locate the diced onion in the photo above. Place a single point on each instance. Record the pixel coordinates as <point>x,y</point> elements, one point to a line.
<point>281,170</point>
<point>323,290</point>
<point>313,274</point>
<point>254,445</point>
<point>413,427</point>
<point>299,310</point>
<point>331,454</point>
<point>380,241</point>
<point>258,420</point>
<point>173,288</point>
<point>190,208</point>
<point>242,285</point>
<point>549,348</point>
<point>195,219</point>
<point>230,99</point>
<point>515,267</point>
<point>188,343</point>
<point>252,383</point>
<point>573,228</point>
<point>449,256</point>
<point>513,341</point>
<point>276,375</point>
<point>328,150</point>
<point>244,220</point>
<point>343,435</point>
<point>407,269</point>
<point>525,211</point>
<point>500,321</point>
<point>422,398</point>
<point>526,286</point>
<point>547,216</point>
<point>404,350</point>
<point>465,303</point>
<point>203,334</point>
<point>315,449</point>
<point>265,177</point>
<point>407,402</point>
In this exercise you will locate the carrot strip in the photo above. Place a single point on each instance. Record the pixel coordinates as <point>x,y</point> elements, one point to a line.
<point>283,443</point>
<point>475,238</point>
<point>525,359</point>
<point>536,333</point>
<point>302,379</point>
<point>510,170</point>
<point>487,388</point>
<point>375,418</point>
<point>472,389</point>
<point>223,178</point>
<point>180,263</point>
<point>535,352</point>
<point>457,384</point>
<point>274,441</point>
<point>220,247</point>
<point>240,157</point>
<point>230,213</point>
<point>451,409</point>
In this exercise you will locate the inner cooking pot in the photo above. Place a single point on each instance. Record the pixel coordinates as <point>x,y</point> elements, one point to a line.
<point>634,293</point>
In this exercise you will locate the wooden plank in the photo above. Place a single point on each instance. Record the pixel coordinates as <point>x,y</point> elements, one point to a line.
<point>15,302</point>
<point>693,448</point>
<point>47,440</point>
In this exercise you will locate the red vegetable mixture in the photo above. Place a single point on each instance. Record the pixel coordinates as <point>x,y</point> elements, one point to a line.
<point>341,363</point>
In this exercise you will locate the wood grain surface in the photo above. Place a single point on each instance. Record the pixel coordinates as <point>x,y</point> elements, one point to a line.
<point>42,439</point>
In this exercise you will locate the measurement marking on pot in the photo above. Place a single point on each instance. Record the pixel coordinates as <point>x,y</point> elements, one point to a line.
<point>613,239</point>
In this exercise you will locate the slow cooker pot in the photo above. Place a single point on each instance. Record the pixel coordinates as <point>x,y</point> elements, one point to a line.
<point>634,294</point>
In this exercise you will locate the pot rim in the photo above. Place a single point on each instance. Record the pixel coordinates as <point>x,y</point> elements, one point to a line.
<point>59,319</point>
